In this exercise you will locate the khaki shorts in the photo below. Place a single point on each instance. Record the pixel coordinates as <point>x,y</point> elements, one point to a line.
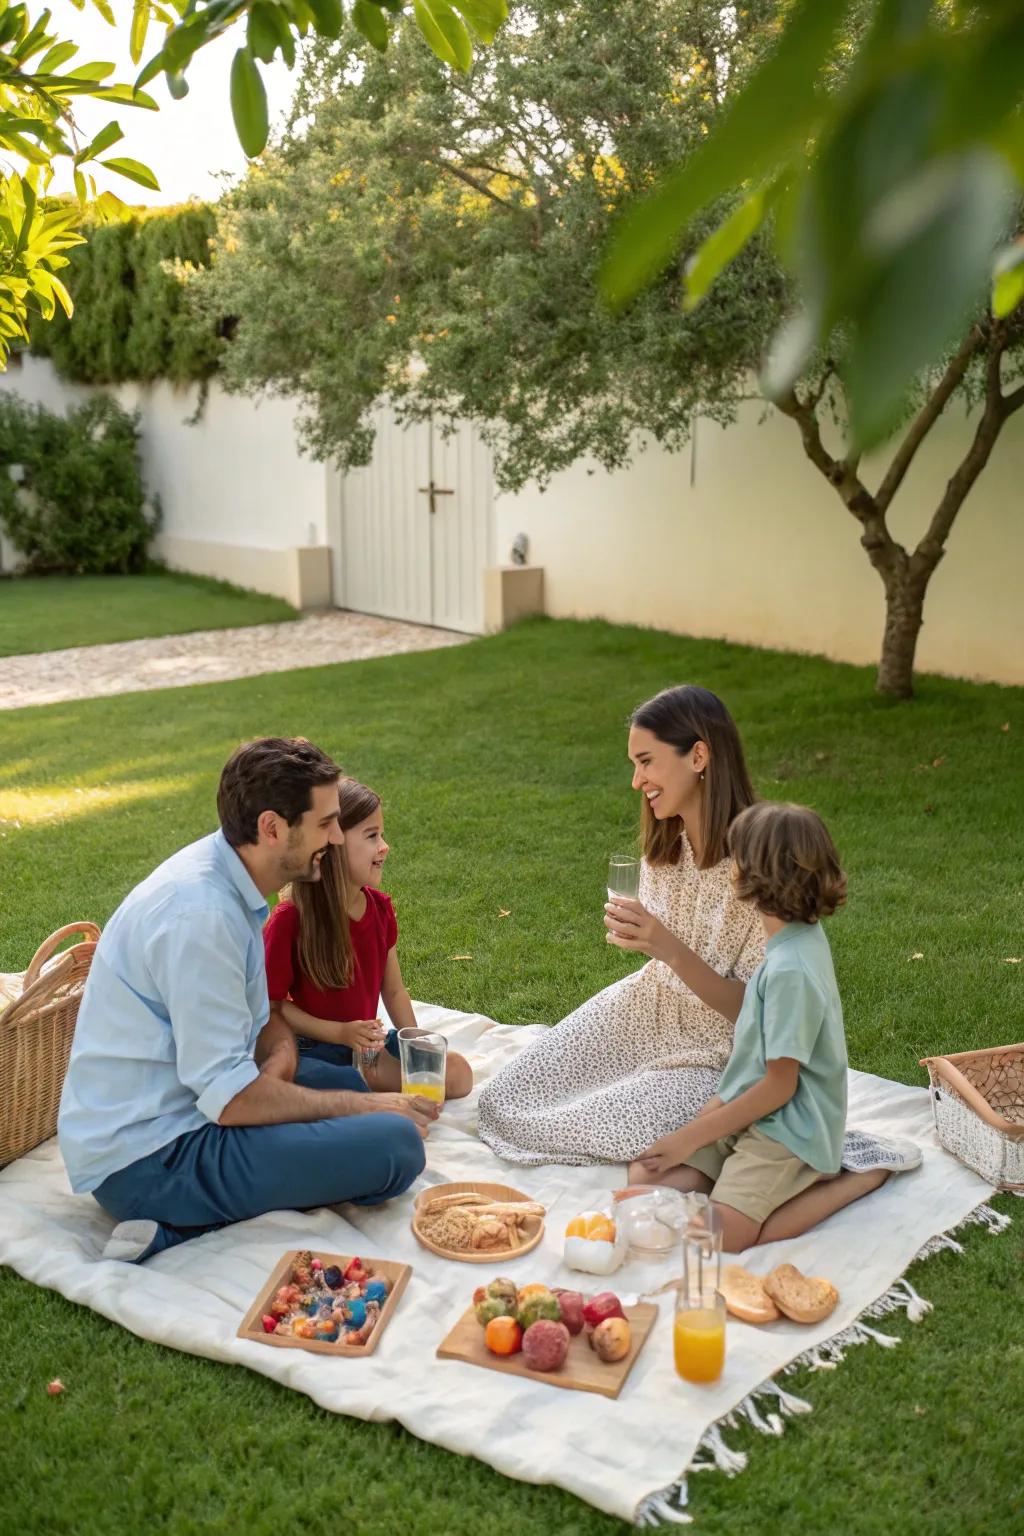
<point>752,1173</point>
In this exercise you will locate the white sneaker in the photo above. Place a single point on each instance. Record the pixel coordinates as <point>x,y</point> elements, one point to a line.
<point>131,1241</point>
<point>864,1151</point>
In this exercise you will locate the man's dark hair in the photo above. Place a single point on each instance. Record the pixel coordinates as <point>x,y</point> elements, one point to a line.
<point>275,773</point>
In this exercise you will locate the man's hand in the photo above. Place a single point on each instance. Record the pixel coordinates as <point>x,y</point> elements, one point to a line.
<point>631,926</point>
<point>420,1111</point>
<point>669,1151</point>
<point>362,1034</point>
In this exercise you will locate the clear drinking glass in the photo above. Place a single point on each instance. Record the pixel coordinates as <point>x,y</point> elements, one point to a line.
<point>698,1337</point>
<point>699,1333</point>
<point>623,876</point>
<point>424,1059</point>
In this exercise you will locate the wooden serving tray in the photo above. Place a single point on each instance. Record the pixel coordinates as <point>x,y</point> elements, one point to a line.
<point>252,1327</point>
<point>582,1371</point>
<point>534,1225</point>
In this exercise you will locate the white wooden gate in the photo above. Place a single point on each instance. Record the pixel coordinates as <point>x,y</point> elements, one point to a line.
<point>415,527</point>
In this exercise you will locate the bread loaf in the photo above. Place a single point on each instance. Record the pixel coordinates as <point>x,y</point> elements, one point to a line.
<point>746,1297</point>
<point>799,1298</point>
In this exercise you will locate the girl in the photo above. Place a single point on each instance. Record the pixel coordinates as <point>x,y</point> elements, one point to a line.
<point>331,956</point>
<point>644,1056</point>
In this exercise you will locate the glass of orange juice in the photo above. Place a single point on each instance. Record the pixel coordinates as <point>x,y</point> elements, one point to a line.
<point>424,1060</point>
<point>699,1334</point>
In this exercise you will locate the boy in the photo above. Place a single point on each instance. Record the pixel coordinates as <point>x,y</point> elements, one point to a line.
<point>768,1146</point>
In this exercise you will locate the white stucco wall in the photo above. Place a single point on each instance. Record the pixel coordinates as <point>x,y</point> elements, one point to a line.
<point>234,481</point>
<point>759,549</point>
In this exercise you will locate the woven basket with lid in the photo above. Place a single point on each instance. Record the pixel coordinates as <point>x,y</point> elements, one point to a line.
<point>978,1104</point>
<point>36,1030</point>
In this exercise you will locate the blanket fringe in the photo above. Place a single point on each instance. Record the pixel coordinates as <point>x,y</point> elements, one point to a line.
<point>668,1505</point>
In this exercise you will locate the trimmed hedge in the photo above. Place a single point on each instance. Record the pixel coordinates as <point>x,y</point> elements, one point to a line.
<point>131,319</point>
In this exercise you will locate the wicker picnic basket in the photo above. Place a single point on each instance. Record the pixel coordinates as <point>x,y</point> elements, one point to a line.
<point>978,1103</point>
<point>35,1040</point>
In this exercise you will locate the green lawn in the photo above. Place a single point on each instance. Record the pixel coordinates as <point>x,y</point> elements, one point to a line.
<point>49,613</point>
<point>506,785</point>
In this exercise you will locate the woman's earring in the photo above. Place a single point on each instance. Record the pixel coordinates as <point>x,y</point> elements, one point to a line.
<point>702,775</point>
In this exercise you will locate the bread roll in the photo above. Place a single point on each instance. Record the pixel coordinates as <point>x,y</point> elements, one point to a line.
<point>801,1299</point>
<point>746,1297</point>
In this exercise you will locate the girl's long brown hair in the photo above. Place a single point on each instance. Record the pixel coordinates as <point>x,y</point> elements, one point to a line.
<point>325,944</point>
<point>681,717</point>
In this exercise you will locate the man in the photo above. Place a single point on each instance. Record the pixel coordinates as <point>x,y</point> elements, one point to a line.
<point>185,1106</point>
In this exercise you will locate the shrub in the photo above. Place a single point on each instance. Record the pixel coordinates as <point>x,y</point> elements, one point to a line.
<point>131,319</point>
<point>80,505</point>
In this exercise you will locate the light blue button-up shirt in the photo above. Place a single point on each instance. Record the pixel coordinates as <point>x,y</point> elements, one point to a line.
<point>176,996</point>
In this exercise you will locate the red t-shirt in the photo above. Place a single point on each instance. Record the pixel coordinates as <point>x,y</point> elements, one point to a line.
<point>373,937</point>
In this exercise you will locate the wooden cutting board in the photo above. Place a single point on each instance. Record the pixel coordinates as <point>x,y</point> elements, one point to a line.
<point>252,1327</point>
<point>582,1371</point>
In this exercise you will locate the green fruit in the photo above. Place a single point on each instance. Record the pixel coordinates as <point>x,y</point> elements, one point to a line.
<point>492,1307</point>
<point>539,1308</point>
<point>506,1290</point>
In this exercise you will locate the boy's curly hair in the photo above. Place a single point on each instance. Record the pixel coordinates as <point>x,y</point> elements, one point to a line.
<point>786,862</point>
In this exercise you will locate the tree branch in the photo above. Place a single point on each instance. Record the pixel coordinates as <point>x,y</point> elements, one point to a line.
<point>1013,401</point>
<point>471,181</point>
<point>927,417</point>
<point>885,554</point>
<point>932,546</point>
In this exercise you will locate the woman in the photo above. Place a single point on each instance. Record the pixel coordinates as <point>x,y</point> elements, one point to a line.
<point>645,1055</point>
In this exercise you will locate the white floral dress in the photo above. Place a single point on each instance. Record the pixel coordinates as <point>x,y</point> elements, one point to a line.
<point>642,1057</point>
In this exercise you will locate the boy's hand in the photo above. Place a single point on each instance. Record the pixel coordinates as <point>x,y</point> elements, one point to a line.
<point>362,1034</point>
<point>631,926</point>
<point>668,1152</point>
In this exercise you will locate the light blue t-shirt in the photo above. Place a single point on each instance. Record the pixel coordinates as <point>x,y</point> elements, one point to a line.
<point>176,996</point>
<point>791,1008</point>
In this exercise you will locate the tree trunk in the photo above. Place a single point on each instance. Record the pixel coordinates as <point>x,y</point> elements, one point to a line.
<point>904,615</point>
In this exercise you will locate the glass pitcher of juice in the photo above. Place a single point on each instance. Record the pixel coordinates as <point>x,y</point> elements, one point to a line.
<point>699,1329</point>
<point>424,1060</point>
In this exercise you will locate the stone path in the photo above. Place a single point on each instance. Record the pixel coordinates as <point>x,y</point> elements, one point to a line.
<point>209,656</point>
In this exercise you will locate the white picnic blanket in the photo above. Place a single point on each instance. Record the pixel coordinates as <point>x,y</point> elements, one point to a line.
<point>612,1453</point>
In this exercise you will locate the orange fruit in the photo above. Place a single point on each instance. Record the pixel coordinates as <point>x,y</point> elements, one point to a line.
<point>503,1336</point>
<point>602,1228</point>
<point>577,1227</point>
<point>531,1290</point>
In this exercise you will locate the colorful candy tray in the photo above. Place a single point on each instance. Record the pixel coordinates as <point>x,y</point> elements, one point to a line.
<point>397,1276</point>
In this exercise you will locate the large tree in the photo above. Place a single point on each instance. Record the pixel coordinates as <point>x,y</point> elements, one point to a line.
<point>439,239</point>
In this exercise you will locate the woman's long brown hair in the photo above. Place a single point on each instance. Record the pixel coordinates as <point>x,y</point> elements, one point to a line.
<point>325,944</point>
<point>681,717</point>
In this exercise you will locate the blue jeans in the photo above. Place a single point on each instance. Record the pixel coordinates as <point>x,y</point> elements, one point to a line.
<point>223,1173</point>
<point>341,1055</point>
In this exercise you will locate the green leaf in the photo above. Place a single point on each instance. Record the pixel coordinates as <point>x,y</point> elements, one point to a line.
<point>444,32</point>
<point>261,32</point>
<point>58,55</point>
<point>369,19</point>
<point>722,246</point>
<point>776,109</point>
<point>34,40</point>
<point>484,16</point>
<point>106,137</point>
<point>329,17</point>
<point>134,170</point>
<point>249,104</point>
<point>128,94</point>
<point>91,72</point>
<point>1008,284</point>
<point>81,190</point>
<point>29,199</point>
<point>105,11</point>
<point>140,26</point>
<point>62,296</point>
<point>926,286</point>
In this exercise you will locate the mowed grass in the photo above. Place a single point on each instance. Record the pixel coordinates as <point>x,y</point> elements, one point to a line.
<point>52,613</point>
<point>502,765</point>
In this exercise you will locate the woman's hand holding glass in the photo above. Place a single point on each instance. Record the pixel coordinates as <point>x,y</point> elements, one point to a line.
<point>631,926</point>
